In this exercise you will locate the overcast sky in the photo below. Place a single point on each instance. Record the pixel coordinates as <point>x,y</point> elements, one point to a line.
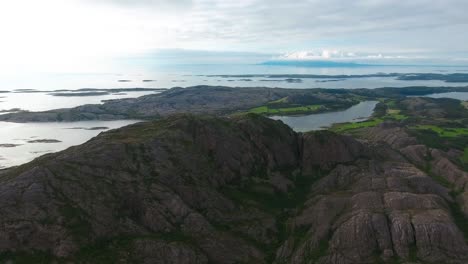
<point>78,33</point>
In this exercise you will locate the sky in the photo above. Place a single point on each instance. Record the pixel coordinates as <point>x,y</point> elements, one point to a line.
<point>78,35</point>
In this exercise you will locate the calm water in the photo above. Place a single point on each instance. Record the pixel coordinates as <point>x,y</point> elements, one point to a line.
<point>69,134</point>
<point>188,75</point>
<point>151,76</point>
<point>306,123</point>
<point>44,101</point>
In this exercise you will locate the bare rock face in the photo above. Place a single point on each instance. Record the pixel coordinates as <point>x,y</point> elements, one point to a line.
<point>374,214</point>
<point>324,149</point>
<point>417,154</point>
<point>165,180</point>
<point>214,100</point>
<point>393,135</point>
<point>437,162</point>
<point>242,190</point>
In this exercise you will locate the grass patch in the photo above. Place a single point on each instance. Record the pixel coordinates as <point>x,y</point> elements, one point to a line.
<point>275,203</point>
<point>444,132</point>
<point>271,110</point>
<point>383,111</point>
<point>36,257</point>
<point>76,222</point>
<point>318,252</point>
<point>413,253</point>
<point>464,158</point>
<point>458,217</point>
<point>356,125</point>
<point>395,114</point>
<point>280,101</point>
<point>465,104</point>
<point>391,104</point>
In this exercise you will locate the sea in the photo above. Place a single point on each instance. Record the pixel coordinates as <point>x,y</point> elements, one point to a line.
<point>20,143</point>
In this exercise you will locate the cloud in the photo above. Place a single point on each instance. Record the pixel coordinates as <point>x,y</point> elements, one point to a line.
<point>382,25</point>
<point>157,4</point>
<point>339,55</point>
<point>65,31</point>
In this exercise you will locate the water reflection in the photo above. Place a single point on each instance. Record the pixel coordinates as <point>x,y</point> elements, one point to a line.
<point>358,112</point>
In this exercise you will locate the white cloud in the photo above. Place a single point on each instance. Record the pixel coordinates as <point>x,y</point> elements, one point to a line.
<point>72,34</point>
<point>336,55</point>
<point>162,5</point>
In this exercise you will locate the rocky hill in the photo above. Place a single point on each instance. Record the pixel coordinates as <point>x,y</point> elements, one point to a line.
<point>215,100</point>
<point>246,189</point>
<point>219,100</point>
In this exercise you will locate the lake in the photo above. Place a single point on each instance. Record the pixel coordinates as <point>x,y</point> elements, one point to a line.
<point>359,112</point>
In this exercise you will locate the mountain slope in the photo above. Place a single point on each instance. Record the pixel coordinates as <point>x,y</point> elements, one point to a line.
<point>190,189</point>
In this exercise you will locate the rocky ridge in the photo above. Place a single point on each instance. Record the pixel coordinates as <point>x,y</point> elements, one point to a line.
<point>215,100</point>
<point>190,189</point>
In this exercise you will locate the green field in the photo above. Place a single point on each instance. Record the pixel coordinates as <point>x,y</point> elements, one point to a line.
<point>464,158</point>
<point>391,114</point>
<point>444,132</point>
<point>350,126</point>
<point>268,110</point>
<point>395,114</point>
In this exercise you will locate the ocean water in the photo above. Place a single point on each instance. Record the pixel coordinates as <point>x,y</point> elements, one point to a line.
<point>454,95</point>
<point>20,143</point>
<point>38,96</point>
<point>34,92</point>
<point>188,75</point>
<point>42,101</point>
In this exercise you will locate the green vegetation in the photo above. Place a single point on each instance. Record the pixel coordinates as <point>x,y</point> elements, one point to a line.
<point>385,110</point>
<point>459,217</point>
<point>464,158</point>
<point>390,110</point>
<point>36,257</point>
<point>455,210</point>
<point>444,132</point>
<point>413,253</point>
<point>76,222</point>
<point>257,192</point>
<point>302,104</point>
<point>395,114</point>
<point>280,101</point>
<point>269,110</point>
<point>465,104</point>
<point>351,126</point>
<point>261,194</point>
<point>433,139</point>
<point>318,252</point>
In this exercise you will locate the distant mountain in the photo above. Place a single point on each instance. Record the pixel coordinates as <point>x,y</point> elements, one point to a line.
<point>313,63</point>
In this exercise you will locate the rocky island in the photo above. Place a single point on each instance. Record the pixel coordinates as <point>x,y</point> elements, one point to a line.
<point>224,101</point>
